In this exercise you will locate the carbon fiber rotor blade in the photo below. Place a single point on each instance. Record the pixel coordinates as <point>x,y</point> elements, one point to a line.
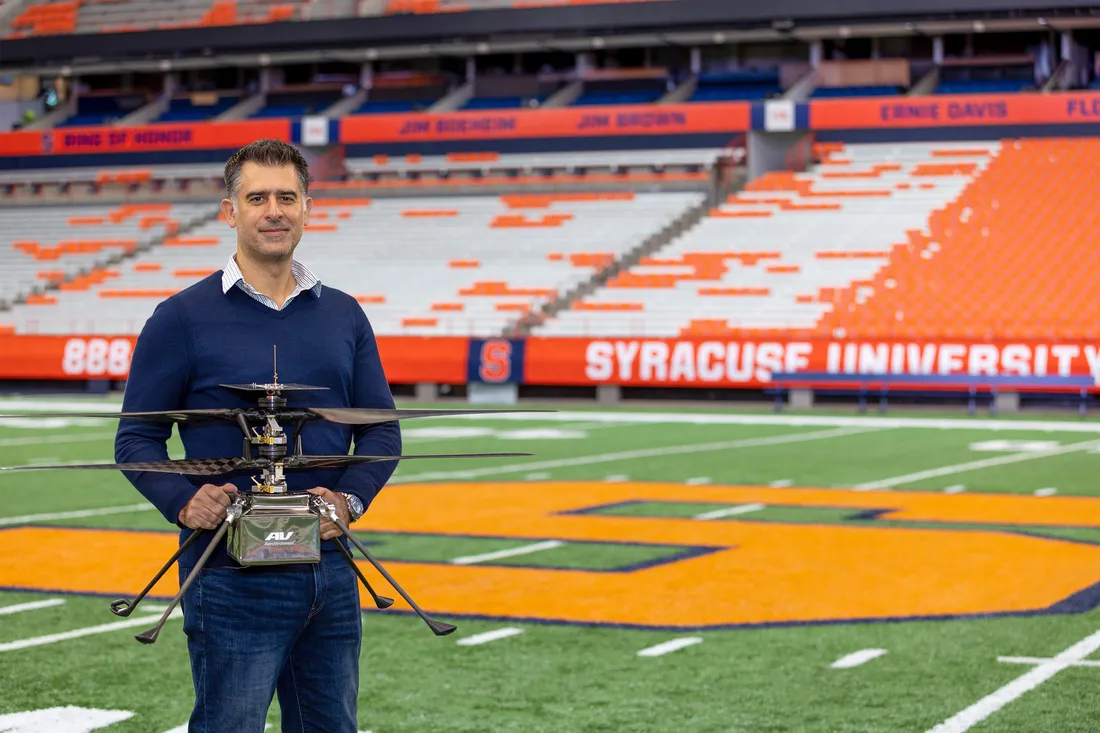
<point>265,388</point>
<point>156,416</point>
<point>368,415</point>
<point>333,461</point>
<point>189,466</point>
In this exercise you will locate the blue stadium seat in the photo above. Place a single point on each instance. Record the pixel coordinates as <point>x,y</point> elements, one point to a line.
<point>500,102</point>
<point>78,120</point>
<point>391,106</point>
<point>990,86</point>
<point>743,76</point>
<point>182,110</point>
<point>601,98</point>
<point>297,104</point>
<point>881,90</point>
<point>738,85</point>
<point>727,93</point>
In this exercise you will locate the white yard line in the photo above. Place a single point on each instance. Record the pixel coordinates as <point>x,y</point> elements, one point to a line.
<point>659,418</point>
<point>616,478</point>
<point>25,405</point>
<point>857,658</point>
<point>77,514</point>
<point>698,481</point>
<point>814,421</point>
<point>31,606</point>
<point>87,631</point>
<point>1048,491</point>
<point>538,476</point>
<point>488,636</point>
<point>629,455</point>
<point>1040,660</point>
<point>55,439</point>
<point>670,646</point>
<point>996,700</point>
<point>731,511</point>
<point>976,465</point>
<point>781,483</point>
<point>955,489</point>
<point>514,552</point>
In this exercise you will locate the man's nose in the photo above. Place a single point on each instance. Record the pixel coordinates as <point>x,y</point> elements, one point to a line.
<point>273,211</point>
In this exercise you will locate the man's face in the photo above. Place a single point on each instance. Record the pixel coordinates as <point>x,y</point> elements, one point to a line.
<point>270,212</point>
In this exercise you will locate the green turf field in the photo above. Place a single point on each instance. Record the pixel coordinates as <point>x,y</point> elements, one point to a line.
<point>959,554</point>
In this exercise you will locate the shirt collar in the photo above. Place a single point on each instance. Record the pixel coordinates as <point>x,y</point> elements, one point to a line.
<point>306,280</point>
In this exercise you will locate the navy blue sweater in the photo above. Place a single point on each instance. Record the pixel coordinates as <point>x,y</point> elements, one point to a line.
<point>200,338</point>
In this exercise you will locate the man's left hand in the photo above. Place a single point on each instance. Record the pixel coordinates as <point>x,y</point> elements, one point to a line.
<point>328,529</point>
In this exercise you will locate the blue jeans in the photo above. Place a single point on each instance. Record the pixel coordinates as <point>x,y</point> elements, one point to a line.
<point>291,629</point>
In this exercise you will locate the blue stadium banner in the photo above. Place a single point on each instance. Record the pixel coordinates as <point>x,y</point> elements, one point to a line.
<point>495,361</point>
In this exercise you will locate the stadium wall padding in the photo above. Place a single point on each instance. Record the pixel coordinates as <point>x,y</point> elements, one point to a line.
<point>663,362</point>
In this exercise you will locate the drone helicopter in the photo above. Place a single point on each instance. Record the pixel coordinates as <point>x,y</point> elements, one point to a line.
<point>268,525</point>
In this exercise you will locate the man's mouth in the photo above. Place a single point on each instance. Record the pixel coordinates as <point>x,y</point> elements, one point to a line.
<point>274,231</point>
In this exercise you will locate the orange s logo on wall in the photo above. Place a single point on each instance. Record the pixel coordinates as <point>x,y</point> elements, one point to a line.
<point>751,572</point>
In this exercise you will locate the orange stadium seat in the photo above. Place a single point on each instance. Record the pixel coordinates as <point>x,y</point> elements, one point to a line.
<point>1014,256</point>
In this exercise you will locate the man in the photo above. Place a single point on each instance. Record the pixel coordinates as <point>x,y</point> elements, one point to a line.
<point>294,630</point>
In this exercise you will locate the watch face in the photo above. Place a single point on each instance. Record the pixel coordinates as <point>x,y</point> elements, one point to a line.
<point>355,506</point>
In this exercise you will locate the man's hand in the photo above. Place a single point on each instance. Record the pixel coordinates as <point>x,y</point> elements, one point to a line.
<point>206,510</point>
<point>328,529</point>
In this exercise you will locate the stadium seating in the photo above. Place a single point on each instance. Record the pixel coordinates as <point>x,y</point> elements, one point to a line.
<point>197,107</point>
<point>861,91</point>
<point>118,16</point>
<point>511,102</point>
<point>104,108</point>
<point>596,159</point>
<point>736,85</point>
<point>1015,255</point>
<point>913,240</point>
<point>51,17</point>
<point>454,265</point>
<point>298,103</point>
<point>374,107</point>
<point>43,244</point>
<point>192,171</point>
<point>776,256</point>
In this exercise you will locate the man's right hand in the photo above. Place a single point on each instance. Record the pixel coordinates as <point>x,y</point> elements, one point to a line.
<point>206,510</point>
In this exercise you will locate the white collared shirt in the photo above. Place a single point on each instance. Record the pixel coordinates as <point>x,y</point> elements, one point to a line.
<point>304,279</point>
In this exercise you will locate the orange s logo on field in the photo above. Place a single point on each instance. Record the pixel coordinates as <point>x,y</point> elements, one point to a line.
<point>852,556</point>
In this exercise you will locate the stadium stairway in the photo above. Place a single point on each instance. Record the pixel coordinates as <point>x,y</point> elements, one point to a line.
<point>601,275</point>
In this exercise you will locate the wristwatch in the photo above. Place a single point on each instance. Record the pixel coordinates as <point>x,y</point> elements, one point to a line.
<point>355,505</point>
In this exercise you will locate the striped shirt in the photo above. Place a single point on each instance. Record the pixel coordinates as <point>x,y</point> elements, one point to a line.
<point>304,279</point>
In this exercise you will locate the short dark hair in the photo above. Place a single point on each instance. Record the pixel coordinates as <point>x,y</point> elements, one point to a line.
<point>267,152</point>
